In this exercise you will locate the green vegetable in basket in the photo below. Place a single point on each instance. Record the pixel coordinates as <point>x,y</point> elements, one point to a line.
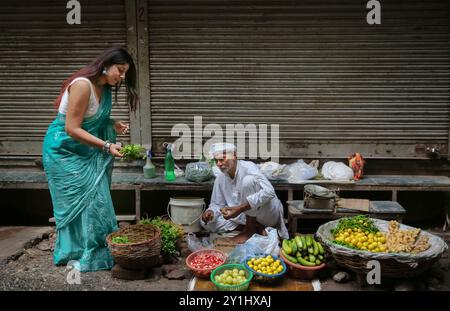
<point>357,222</point>
<point>170,233</point>
<point>120,240</point>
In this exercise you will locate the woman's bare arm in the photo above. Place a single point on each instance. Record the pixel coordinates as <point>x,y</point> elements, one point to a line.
<point>78,103</point>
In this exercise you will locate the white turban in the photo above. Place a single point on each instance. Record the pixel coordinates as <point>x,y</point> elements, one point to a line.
<point>221,148</point>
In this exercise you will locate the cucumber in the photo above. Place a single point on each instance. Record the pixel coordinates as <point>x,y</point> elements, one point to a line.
<point>290,258</point>
<point>304,262</point>
<point>310,250</point>
<point>308,241</point>
<point>321,251</point>
<point>303,241</point>
<point>312,258</point>
<point>315,248</point>
<point>299,242</point>
<point>286,247</point>
<point>320,256</point>
<point>293,246</point>
<point>318,262</point>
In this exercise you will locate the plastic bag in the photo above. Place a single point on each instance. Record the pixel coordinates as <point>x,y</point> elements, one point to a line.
<point>300,171</point>
<point>198,171</point>
<point>242,251</point>
<point>257,244</point>
<point>336,170</point>
<point>269,243</point>
<point>194,244</point>
<point>274,171</point>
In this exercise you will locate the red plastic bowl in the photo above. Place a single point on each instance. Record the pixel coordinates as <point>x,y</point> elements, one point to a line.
<point>302,272</point>
<point>204,273</point>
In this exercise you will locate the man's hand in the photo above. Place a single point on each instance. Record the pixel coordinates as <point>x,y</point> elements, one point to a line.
<point>230,212</point>
<point>207,216</point>
<point>234,211</point>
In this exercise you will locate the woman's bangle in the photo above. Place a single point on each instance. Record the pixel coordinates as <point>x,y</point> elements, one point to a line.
<point>106,147</point>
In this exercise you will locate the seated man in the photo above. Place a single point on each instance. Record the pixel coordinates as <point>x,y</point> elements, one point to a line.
<point>241,189</point>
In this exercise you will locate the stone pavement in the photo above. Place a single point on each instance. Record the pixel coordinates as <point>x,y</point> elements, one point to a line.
<point>13,240</point>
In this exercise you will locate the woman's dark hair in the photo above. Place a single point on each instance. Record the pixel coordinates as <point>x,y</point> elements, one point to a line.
<point>112,56</point>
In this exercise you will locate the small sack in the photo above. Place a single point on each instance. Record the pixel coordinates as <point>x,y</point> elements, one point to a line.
<point>198,171</point>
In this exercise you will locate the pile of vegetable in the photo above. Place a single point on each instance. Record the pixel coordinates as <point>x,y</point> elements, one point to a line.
<point>359,232</point>
<point>231,277</point>
<point>170,233</point>
<point>120,239</point>
<point>265,265</point>
<point>133,152</point>
<point>206,261</point>
<point>303,250</point>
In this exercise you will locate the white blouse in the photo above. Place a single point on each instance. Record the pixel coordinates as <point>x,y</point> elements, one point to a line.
<point>93,102</point>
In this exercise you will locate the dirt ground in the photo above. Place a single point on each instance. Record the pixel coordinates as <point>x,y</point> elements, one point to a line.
<point>34,270</point>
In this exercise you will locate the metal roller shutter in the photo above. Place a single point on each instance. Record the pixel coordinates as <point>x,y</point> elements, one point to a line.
<point>332,82</point>
<point>38,51</point>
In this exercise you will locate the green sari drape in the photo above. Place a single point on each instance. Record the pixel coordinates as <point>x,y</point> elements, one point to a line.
<point>79,180</point>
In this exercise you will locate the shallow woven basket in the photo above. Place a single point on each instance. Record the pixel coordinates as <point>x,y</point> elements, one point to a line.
<point>143,250</point>
<point>393,265</point>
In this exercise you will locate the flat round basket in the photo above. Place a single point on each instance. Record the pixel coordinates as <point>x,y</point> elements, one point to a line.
<point>141,252</point>
<point>392,265</point>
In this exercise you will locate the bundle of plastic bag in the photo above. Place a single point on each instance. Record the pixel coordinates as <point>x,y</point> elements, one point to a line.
<point>300,171</point>
<point>198,171</point>
<point>336,170</point>
<point>274,171</point>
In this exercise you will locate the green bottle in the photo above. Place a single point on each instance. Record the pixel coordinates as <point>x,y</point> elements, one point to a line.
<point>149,168</point>
<point>169,164</point>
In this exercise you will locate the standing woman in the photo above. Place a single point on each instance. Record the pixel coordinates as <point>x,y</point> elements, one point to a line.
<point>78,155</point>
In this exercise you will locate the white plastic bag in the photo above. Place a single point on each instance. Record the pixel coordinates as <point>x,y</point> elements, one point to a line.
<point>274,171</point>
<point>269,243</point>
<point>300,171</point>
<point>257,244</point>
<point>336,170</point>
<point>194,244</point>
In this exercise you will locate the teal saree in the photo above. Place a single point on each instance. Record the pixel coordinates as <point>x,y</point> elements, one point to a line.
<point>79,180</point>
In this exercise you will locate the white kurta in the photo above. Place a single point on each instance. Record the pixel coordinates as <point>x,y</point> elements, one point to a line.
<point>249,185</point>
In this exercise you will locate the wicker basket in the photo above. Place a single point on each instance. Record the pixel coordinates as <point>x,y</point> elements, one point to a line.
<point>204,273</point>
<point>392,265</point>
<point>143,250</point>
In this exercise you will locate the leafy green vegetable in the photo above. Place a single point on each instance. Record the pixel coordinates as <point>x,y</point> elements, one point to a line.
<point>133,152</point>
<point>120,239</point>
<point>170,233</point>
<point>359,222</point>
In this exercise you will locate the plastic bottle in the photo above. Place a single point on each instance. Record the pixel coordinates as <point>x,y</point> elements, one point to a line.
<point>149,168</point>
<point>169,164</point>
